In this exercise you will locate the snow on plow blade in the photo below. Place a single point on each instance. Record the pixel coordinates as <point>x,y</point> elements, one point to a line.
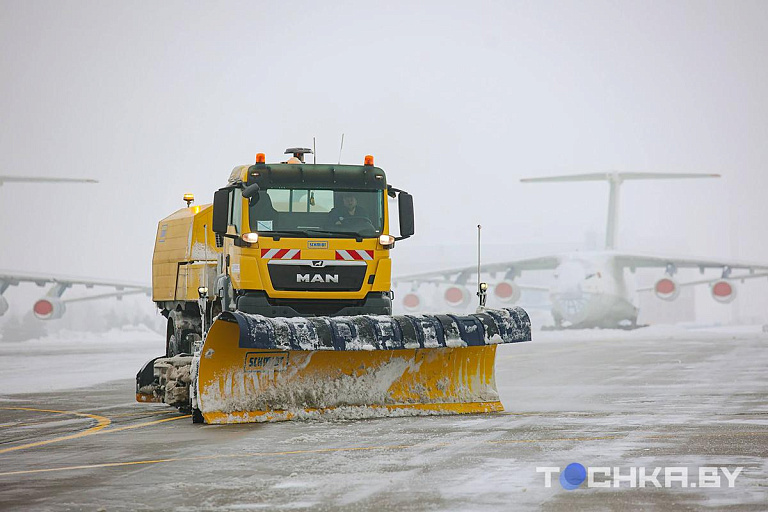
<point>254,368</point>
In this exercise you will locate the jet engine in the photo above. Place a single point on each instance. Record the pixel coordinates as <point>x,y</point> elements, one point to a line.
<point>666,288</point>
<point>412,301</point>
<point>48,308</point>
<point>3,305</point>
<point>507,292</point>
<point>456,296</point>
<point>722,291</point>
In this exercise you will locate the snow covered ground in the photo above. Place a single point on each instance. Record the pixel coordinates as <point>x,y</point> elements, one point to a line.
<point>73,359</point>
<point>76,359</point>
<point>663,396</point>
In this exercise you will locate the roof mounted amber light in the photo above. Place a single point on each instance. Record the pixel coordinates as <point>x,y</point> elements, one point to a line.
<point>369,160</point>
<point>260,158</point>
<point>189,198</point>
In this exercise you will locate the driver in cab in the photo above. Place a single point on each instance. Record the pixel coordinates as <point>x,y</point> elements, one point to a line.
<point>349,210</point>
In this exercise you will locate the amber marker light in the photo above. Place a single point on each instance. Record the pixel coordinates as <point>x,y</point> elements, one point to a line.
<point>260,158</point>
<point>250,238</point>
<point>369,160</point>
<point>386,240</point>
<point>189,198</point>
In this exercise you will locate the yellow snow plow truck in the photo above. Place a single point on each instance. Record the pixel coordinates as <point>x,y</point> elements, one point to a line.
<point>279,305</point>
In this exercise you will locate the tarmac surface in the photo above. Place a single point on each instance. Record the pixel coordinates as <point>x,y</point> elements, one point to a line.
<point>634,401</point>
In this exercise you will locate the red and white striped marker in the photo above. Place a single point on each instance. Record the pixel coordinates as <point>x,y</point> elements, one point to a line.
<point>355,254</point>
<point>281,254</point>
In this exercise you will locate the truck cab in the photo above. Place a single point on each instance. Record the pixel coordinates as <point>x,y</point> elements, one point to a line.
<point>303,239</point>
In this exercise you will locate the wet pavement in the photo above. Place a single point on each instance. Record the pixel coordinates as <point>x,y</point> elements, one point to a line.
<point>626,402</point>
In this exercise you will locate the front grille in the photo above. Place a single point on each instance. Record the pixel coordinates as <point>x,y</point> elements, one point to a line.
<point>332,278</point>
<point>316,307</point>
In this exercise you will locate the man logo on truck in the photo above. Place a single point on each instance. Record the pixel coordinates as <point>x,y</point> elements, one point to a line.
<point>317,278</point>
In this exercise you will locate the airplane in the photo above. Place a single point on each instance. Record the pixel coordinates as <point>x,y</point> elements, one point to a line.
<point>591,289</point>
<point>51,306</point>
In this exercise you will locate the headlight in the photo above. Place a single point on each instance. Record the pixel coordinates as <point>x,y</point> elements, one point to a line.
<point>251,238</point>
<point>386,239</point>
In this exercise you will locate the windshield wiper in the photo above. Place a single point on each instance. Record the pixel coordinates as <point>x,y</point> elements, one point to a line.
<point>283,232</point>
<point>332,232</point>
<point>353,234</point>
<point>311,231</point>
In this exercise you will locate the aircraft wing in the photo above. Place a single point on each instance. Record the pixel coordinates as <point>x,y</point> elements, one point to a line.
<point>709,281</point>
<point>633,261</point>
<point>35,179</point>
<point>603,176</point>
<point>462,275</point>
<point>13,278</point>
<point>51,306</point>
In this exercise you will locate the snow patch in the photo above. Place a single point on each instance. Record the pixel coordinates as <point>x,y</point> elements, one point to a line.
<point>71,359</point>
<point>494,340</point>
<point>309,392</point>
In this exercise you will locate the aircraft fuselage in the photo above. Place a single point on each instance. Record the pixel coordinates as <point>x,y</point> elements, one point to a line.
<point>590,290</point>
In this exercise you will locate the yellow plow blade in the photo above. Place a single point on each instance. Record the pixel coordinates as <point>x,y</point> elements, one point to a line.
<point>238,382</point>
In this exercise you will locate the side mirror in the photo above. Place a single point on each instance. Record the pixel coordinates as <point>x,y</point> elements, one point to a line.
<point>405,212</point>
<point>220,221</point>
<point>251,193</point>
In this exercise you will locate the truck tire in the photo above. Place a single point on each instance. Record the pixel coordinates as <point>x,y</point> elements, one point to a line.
<point>170,338</point>
<point>177,340</point>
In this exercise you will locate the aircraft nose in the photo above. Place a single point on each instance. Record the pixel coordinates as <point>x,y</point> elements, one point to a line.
<point>572,304</point>
<point>573,293</point>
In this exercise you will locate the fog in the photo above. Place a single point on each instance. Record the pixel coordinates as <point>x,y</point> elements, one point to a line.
<point>457,102</point>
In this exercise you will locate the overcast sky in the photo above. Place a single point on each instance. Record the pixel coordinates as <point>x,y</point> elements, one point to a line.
<point>457,101</point>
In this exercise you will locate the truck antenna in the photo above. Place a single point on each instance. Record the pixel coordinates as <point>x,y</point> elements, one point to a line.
<point>314,151</point>
<point>342,147</point>
<point>482,288</point>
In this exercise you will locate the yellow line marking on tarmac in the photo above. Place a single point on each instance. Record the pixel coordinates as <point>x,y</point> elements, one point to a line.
<point>98,429</point>
<point>124,415</point>
<point>102,422</point>
<point>143,413</point>
<point>145,424</point>
<point>41,422</point>
<point>326,450</point>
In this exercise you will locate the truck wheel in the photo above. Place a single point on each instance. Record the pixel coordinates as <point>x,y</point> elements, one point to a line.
<point>177,340</point>
<point>170,338</point>
<point>197,416</point>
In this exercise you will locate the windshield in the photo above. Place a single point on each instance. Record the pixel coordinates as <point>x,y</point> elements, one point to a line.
<point>318,212</point>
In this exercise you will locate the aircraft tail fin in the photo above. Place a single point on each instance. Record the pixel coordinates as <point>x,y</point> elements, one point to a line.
<point>616,179</point>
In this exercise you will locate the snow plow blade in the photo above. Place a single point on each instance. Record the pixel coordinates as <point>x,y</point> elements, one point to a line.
<point>253,368</point>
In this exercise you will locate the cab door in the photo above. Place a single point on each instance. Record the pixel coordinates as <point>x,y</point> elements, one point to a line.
<point>227,224</point>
